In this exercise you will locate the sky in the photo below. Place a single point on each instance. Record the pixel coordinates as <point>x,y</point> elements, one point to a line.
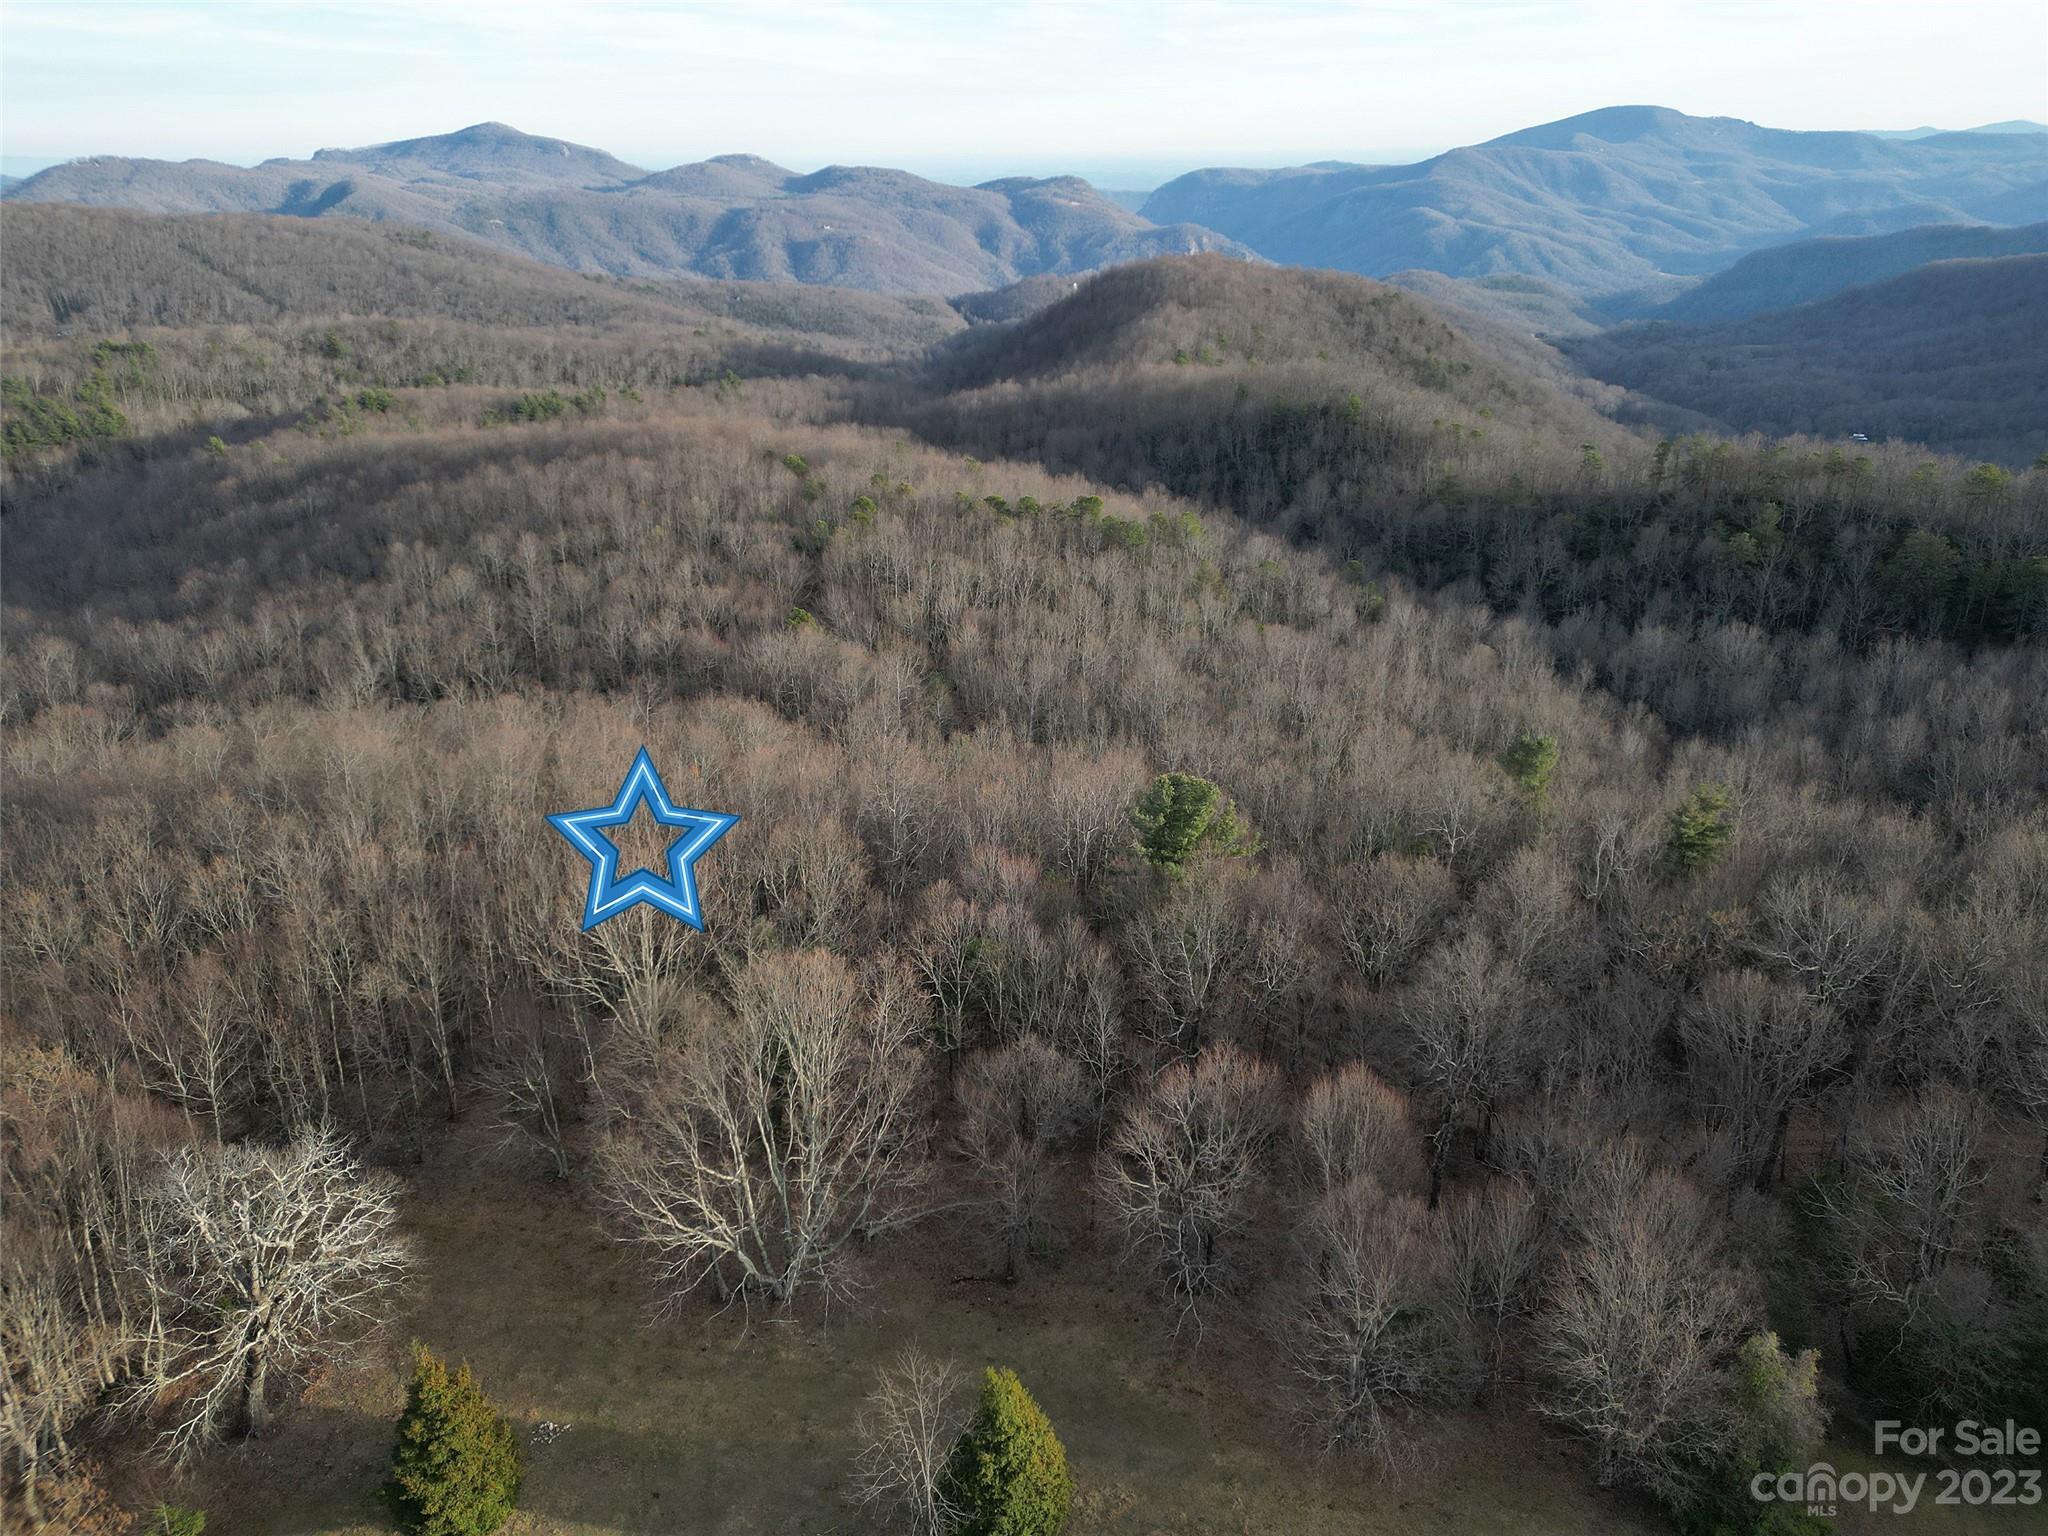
<point>1128,93</point>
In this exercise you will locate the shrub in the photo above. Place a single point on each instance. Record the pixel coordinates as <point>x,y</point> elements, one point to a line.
<point>455,1469</point>
<point>1008,1474</point>
<point>1776,1422</point>
<point>176,1520</point>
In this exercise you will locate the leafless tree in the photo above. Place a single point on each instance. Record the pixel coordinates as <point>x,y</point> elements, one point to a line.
<point>1365,1327</point>
<point>1755,1049</point>
<point>1826,936</point>
<point>529,1069</point>
<point>1087,1023</point>
<point>1353,1124</point>
<point>1020,1106</point>
<point>1179,952</point>
<point>780,1134</point>
<point>1387,911</point>
<point>46,1367</point>
<point>906,1432</point>
<point>1634,1338</point>
<point>1494,1252</point>
<point>1462,1019</point>
<point>1904,1213</point>
<point>265,1256</point>
<point>1180,1171</point>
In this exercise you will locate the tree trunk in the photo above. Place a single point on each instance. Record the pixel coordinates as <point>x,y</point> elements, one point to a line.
<point>1439,1154</point>
<point>255,1376</point>
<point>1772,1169</point>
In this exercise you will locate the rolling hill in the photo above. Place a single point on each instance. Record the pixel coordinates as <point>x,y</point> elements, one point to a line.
<point>1947,355</point>
<point>1286,394</point>
<point>1622,202</point>
<point>735,217</point>
<point>1789,275</point>
<point>105,270</point>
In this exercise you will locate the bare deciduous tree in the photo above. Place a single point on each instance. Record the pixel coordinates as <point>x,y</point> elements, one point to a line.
<point>46,1367</point>
<point>1388,911</point>
<point>906,1431</point>
<point>1494,1251</point>
<point>1463,1019</point>
<point>529,1068</point>
<point>1180,1171</point>
<point>1904,1212</point>
<point>1353,1124</point>
<point>1755,1049</point>
<point>1639,1324</point>
<point>779,1134</point>
<point>1366,1328</point>
<point>264,1255</point>
<point>1021,1105</point>
<point>1180,951</point>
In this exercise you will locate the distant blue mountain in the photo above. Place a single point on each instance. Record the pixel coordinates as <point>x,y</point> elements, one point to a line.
<point>1625,200</point>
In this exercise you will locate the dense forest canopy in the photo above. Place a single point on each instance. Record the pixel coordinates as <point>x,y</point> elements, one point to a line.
<point>1241,778</point>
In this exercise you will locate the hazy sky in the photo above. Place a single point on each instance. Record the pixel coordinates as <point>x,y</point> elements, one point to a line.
<point>1129,91</point>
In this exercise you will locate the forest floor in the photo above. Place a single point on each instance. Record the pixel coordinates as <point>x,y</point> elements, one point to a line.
<point>703,1423</point>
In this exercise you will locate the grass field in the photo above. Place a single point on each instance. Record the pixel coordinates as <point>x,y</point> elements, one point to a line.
<point>697,1423</point>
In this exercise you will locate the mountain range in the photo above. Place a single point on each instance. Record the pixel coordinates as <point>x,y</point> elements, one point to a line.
<point>1624,202</point>
<point>1621,209</point>
<point>737,216</point>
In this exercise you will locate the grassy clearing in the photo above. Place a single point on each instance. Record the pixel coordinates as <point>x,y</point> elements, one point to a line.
<point>698,1424</point>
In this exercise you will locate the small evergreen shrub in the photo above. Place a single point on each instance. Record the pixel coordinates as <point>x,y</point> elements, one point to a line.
<point>455,1470</point>
<point>1008,1474</point>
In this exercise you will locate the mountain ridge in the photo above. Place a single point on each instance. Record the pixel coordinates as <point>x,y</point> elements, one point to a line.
<point>1627,200</point>
<point>734,217</point>
<point>1942,355</point>
<point>1786,276</point>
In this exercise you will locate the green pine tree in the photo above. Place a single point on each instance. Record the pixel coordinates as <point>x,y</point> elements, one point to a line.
<point>1701,830</point>
<point>1530,760</point>
<point>455,1470</point>
<point>1008,1474</point>
<point>1180,815</point>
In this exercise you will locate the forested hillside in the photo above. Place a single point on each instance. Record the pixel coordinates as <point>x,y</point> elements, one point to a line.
<point>1946,355</point>
<point>1271,829</point>
<point>100,269</point>
<point>1790,275</point>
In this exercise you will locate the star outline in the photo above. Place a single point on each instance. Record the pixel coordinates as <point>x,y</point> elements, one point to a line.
<point>608,895</point>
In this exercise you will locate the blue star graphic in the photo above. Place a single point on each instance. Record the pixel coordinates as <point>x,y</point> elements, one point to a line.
<point>609,895</point>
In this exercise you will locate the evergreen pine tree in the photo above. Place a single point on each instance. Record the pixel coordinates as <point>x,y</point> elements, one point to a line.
<point>1008,1474</point>
<point>1180,815</point>
<point>1701,830</point>
<point>455,1469</point>
<point>1530,760</point>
